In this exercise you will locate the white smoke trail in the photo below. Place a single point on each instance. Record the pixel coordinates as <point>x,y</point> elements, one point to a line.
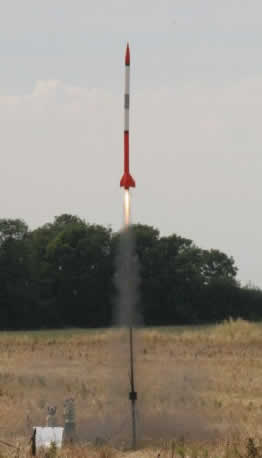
<point>127,273</point>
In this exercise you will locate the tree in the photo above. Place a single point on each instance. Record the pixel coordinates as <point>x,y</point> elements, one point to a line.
<point>12,229</point>
<point>217,265</point>
<point>61,274</point>
<point>16,286</point>
<point>173,277</point>
<point>44,270</point>
<point>80,261</point>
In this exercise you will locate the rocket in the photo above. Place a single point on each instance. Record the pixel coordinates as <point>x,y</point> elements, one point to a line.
<point>127,181</point>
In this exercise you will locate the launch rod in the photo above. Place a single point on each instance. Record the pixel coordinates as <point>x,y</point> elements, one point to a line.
<point>132,394</point>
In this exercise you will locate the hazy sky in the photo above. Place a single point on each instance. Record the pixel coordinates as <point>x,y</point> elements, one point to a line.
<point>196,98</point>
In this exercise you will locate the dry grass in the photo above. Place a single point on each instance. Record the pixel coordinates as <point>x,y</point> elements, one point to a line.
<point>200,384</point>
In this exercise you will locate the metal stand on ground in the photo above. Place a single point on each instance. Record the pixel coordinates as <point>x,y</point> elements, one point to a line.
<point>133,393</point>
<point>70,420</point>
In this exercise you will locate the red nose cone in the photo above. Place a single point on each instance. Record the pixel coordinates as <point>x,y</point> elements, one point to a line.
<point>127,60</point>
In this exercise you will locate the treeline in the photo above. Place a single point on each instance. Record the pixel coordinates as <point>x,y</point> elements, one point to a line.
<point>61,275</point>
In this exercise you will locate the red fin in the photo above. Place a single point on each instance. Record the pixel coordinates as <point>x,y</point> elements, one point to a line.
<point>127,181</point>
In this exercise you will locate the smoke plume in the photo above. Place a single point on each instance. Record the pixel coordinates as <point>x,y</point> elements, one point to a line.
<point>127,281</point>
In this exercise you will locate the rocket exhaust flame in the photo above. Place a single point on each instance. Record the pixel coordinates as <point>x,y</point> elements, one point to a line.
<point>126,208</point>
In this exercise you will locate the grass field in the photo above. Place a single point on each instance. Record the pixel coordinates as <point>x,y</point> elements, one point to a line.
<point>199,389</point>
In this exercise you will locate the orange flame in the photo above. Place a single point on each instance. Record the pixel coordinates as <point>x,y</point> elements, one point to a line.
<point>126,208</point>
